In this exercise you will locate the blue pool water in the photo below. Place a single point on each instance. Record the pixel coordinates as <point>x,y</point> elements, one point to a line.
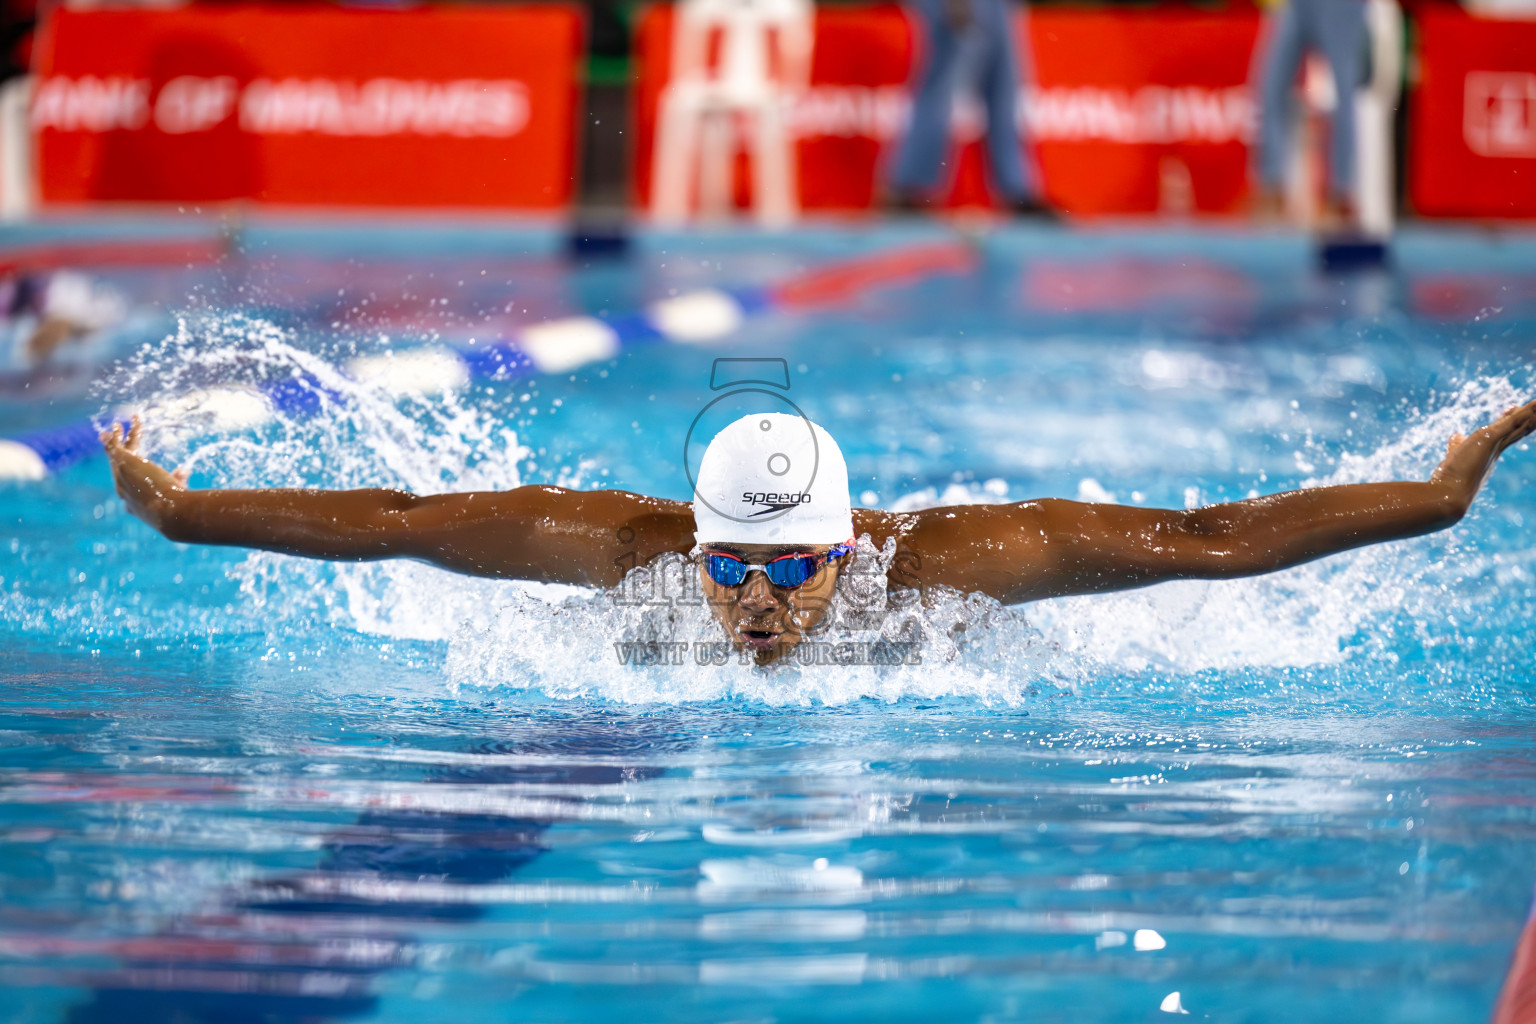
<point>242,787</point>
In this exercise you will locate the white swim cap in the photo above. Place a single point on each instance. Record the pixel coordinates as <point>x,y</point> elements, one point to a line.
<point>772,478</point>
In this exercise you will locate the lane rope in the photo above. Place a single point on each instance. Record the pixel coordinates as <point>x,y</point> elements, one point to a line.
<point>553,347</point>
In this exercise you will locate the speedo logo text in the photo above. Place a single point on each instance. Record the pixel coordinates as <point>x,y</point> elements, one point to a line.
<point>774,501</point>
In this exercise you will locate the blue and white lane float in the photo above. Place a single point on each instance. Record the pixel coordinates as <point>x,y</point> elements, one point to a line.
<point>553,347</point>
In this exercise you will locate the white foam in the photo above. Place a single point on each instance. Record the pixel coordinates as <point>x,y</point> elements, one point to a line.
<point>1313,614</point>
<point>560,641</point>
<point>1172,1004</point>
<point>730,879</point>
<point>968,646</point>
<point>215,409</point>
<point>428,371</point>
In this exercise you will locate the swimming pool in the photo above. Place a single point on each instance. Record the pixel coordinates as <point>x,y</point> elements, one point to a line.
<point>245,787</point>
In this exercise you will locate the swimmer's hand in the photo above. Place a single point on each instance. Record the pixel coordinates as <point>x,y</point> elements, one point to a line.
<point>1468,460</point>
<point>149,491</point>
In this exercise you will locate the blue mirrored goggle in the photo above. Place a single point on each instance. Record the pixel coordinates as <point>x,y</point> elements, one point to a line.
<point>787,571</point>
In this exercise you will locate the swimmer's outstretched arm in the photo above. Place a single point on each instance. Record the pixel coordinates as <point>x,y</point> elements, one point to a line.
<point>1055,548</point>
<point>535,533</point>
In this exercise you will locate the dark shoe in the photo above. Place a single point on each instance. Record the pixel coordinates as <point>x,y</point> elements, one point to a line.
<point>906,202</point>
<point>1035,210</point>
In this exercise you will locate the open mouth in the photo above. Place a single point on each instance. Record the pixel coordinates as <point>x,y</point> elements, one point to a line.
<point>759,639</point>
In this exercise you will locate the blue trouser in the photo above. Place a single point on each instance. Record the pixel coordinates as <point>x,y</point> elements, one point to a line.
<point>984,52</point>
<point>1337,28</point>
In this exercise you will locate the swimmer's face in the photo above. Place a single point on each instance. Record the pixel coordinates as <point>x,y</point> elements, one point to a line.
<point>759,617</point>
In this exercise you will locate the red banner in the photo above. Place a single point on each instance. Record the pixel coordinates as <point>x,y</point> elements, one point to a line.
<point>1472,148</point>
<point>1140,111</point>
<point>439,106</point>
<point>1125,112</point>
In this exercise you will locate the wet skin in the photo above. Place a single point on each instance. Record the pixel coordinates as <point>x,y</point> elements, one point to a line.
<point>767,620</point>
<point>1014,553</point>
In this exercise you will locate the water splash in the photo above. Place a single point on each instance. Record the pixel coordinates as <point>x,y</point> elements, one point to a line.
<point>354,436</point>
<point>1320,613</point>
<point>568,643</point>
<point>582,646</point>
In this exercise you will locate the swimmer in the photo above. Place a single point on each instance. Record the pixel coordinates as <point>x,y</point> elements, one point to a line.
<point>53,317</point>
<point>771,527</point>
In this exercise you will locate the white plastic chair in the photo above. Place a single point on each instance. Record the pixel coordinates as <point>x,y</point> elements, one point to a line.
<point>704,105</point>
<point>17,180</point>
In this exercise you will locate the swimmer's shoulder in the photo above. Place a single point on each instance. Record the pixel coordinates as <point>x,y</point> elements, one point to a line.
<point>945,527</point>
<point>549,533</point>
<point>967,547</point>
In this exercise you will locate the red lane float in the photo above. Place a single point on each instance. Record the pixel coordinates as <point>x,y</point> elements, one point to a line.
<point>1127,111</point>
<point>852,279</point>
<point>1472,147</point>
<point>310,105</point>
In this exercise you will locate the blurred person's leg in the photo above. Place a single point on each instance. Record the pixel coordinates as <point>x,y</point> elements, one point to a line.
<point>1340,33</point>
<point>1280,59</point>
<point>915,173</point>
<point>999,82</point>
